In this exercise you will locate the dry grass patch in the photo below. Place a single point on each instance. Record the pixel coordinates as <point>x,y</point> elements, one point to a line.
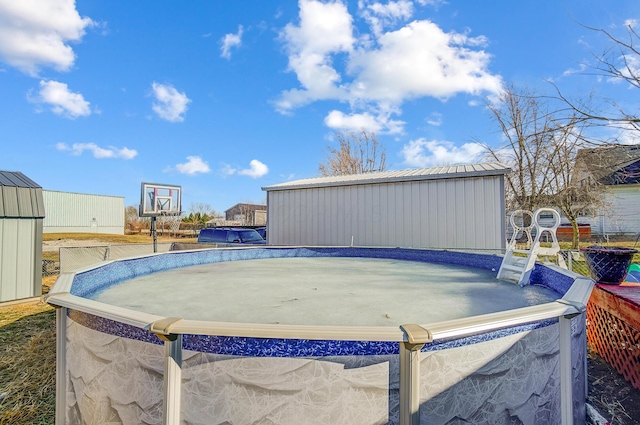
<point>114,239</point>
<point>27,364</point>
<point>47,283</point>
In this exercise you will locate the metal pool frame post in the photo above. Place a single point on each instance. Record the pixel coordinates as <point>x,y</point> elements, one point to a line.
<point>566,378</point>
<point>61,366</point>
<point>417,337</point>
<point>172,385</point>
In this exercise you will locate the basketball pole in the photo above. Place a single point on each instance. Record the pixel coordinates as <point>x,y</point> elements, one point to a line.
<point>154,233</point>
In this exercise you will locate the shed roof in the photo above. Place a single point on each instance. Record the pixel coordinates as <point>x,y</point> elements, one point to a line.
<point>20,197</point>
<point>415,174</point>
<point>16,179</point>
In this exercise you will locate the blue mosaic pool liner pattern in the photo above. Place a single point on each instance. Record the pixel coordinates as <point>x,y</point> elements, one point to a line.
<point>88,284</point>
<point>278,347</point>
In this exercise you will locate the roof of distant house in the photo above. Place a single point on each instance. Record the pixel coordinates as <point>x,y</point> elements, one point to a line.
<point>248,207</point>
<point>611,165</point>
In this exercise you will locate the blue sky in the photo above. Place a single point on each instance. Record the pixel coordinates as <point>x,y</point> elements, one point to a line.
<point>226,97</point>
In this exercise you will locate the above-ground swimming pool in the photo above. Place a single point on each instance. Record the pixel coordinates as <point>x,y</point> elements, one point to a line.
<point>299,335</point>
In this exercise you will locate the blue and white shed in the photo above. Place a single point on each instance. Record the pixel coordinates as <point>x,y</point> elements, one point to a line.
<point>21,218</point>
<point>452,207</point>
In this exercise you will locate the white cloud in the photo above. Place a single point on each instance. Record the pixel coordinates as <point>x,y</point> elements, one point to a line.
<point>98,152</point>
<point>423,153</point>
<point>427,61</point>
<point>62,101</point>
<point>381,122</point>
<point>324,29</point>
<point>194,165</point>
<point>256,169</point>
<point>629,69</point>
<point>340,121</point>
<point>227,170</point>
<point>434,3</point>
<point>435,119</point>
<point>37,33</point>
<point>229,41</point>
<point>379,15</point>
<point>170,104</point>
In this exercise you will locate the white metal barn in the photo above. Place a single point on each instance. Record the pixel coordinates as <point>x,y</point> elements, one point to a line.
<point>457,207</point>
<point>21,215</point>
<point>69,212</point>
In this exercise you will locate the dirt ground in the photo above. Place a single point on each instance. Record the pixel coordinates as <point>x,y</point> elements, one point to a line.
<point>610,394</point>
<point>55,245</point>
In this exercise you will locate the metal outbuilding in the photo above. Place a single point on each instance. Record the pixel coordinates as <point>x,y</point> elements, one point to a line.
<point>69,212</point>
<point>21,220</point>
<point>452,207</point>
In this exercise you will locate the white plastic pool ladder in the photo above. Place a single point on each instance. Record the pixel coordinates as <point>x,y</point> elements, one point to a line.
<point>518,268</point>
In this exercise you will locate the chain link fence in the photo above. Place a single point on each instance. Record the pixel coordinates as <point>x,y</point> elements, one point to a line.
<point>72,258</point>
<point>575,262</point>
<point>50,267</point>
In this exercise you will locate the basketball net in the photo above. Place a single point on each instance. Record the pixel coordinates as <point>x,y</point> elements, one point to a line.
<point>172,220</point>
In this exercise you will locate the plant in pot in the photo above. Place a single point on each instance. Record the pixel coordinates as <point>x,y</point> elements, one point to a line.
<point>608,265</point>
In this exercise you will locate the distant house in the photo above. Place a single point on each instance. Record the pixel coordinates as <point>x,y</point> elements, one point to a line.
<point>618,168</point>
<point>247,214</point>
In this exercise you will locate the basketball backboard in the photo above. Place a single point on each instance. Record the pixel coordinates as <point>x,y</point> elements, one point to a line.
<point>158,199</point>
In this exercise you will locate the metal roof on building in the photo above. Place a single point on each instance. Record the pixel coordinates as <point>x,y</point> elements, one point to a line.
<point>16,179</point>
<point>20,197</point>
<point>415,174</point>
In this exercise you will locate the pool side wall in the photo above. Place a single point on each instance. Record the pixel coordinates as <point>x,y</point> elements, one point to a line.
<point>115,371</point>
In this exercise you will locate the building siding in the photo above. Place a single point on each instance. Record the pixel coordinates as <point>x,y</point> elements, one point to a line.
<point>21,214</point>
<point>77,212</point>
<point>621,216</point>
<point>461,213</point>
<point>20,258</point>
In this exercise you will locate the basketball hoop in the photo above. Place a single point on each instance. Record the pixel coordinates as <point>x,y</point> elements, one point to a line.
<point>160,200</point>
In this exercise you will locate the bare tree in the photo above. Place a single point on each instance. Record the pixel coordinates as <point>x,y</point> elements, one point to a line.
<point>201,208</point>
<point>526,128</point>
<point>542,147</point>
<point>132,221</point>
<point>131,214</point>
<point>200,213</point>
<point>358,153</point>
<point>618,62</point>
<point>572,191</point>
